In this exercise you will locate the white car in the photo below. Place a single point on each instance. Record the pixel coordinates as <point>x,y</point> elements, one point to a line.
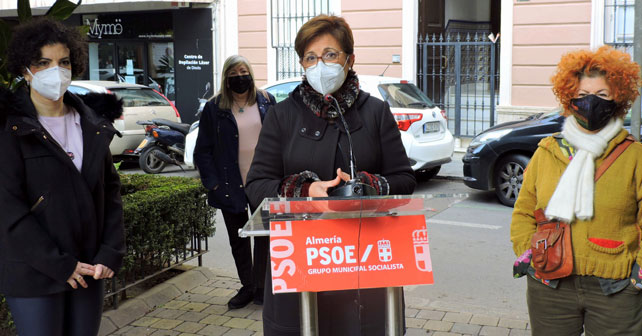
<point>140,103</point>
<point>424,133</point>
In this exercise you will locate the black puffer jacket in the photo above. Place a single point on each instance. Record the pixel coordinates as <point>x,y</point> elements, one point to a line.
<point>53,215</point>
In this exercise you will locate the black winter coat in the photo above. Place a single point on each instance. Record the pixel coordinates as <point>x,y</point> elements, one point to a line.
<point>216,154</point>
<point>292,140</point>
<point>54,216</point>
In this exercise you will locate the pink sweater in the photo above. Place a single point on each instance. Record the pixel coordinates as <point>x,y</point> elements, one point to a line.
<point>249,125</point>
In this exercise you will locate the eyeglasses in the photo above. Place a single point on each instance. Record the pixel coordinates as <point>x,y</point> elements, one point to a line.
<point>329,56</point>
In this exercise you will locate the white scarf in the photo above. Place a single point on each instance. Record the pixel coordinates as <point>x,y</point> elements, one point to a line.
<point>574,193</point>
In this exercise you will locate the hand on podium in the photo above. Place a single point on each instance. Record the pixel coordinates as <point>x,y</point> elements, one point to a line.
<point>320,188</point>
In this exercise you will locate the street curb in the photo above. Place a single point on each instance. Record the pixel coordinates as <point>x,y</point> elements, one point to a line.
<point>449,177</point>
<point>133,309</point>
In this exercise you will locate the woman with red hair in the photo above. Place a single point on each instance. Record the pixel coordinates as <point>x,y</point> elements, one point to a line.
<point>567,181</point>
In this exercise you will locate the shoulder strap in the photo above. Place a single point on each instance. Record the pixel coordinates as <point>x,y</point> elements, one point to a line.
<point>264,93</point>
<point>267,96</point>
<point>613,156</point>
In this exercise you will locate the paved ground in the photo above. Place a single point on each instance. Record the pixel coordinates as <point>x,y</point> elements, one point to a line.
<point>194,303</point>
<point>454,169</point>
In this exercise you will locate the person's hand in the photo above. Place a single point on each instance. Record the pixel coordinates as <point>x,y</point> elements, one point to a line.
<point>320,188</point>
<point>76,277</point>
<point>103,272</point>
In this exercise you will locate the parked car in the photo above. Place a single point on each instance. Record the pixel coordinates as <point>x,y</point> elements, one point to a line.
<point>424,133</point>
<point>109,74</point>
<point>140,103</point>
<point>496,158</point>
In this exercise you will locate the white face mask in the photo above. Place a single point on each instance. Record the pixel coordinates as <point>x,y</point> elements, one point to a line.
<point>326,78</point>
<point>51,83</point>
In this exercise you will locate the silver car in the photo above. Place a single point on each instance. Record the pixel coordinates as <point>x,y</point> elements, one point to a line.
<point>140,103</point>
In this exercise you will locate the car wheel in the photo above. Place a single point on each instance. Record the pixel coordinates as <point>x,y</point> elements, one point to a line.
<point>508,178</point>
<point>427,174</point>
<point>149,163</point>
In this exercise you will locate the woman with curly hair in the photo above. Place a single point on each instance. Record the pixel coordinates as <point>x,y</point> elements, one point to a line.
<point>567,180</point>
<point>61,229</point>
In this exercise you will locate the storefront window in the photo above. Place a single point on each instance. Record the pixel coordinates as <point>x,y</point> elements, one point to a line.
<point>161,67</point>
<point>131,61</point>
<point>101,61</point>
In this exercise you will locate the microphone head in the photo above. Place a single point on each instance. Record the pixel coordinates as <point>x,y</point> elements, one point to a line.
<point>328,97</point>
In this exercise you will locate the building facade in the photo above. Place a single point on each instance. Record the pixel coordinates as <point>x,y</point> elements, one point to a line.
<point>539,32</point>
<point>168,46</point>
<point>483,61</point>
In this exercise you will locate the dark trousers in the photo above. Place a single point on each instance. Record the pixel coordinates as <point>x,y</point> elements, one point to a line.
<point>72,313</point>
<point>249,274</point>
<point>578,305</point>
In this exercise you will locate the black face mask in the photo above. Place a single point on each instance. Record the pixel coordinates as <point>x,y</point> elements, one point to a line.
<point>240,84</point>
<point>592,112</point>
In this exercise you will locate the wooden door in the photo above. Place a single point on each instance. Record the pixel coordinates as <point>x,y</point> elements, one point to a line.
<point>431,17</point>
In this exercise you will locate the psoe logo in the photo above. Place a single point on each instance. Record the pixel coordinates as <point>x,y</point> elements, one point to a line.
<point>385,251</point>
<point>422,250</point>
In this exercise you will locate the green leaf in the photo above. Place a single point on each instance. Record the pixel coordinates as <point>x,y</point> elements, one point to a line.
<point>16,84</point>
<point>5,36</point>
<point>62,9</point>
<point>24,10</point>
<point>84,30</point>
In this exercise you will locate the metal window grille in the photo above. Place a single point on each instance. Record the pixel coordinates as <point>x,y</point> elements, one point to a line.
<point>287,17</point>
<point>460,73</point>
<point>618,24</point>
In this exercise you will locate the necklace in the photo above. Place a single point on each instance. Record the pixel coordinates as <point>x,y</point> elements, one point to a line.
<point>241,108</point>
<point>65,140</point>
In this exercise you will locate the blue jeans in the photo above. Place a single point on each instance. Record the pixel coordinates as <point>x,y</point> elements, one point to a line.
<point>71,313</point>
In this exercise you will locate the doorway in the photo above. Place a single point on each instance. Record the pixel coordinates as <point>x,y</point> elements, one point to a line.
<point>458,60</point>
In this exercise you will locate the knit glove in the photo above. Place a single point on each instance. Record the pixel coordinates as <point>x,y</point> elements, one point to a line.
<point>297,185</point>
<point>378,182</point>
<point>521,265</point>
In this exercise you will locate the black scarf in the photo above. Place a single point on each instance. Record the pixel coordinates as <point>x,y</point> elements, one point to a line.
<point>346,96</point>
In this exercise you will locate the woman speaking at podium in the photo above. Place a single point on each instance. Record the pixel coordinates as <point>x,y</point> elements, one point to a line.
<point>304,150</point>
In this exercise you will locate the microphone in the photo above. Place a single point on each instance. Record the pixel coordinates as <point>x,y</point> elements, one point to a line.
<point>351,188</point>
<point>330,98</point>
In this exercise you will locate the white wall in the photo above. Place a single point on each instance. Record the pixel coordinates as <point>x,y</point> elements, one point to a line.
<point>409,40</point>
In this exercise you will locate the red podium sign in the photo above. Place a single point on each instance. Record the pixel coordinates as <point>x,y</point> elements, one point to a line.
<point>325,255</point>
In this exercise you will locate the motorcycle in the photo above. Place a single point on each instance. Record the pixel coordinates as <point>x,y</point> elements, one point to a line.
<point>164,143</point>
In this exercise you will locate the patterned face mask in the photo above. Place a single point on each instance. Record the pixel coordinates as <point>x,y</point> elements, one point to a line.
<point>592,112</point>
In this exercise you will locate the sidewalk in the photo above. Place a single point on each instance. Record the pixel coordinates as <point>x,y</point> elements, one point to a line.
<point>194,303</point>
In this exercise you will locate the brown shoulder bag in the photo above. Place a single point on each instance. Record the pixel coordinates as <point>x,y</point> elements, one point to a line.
<point>551,244</point>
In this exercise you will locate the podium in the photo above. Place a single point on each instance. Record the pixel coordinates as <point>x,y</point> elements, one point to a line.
<point>329,243</point>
